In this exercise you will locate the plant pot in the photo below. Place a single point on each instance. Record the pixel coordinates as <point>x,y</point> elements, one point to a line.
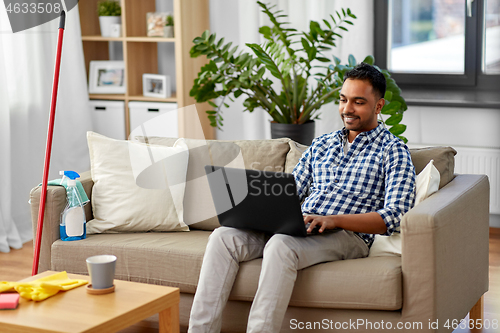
<point>168,31</point>
<point>105,23</point>
<point>303,133</point>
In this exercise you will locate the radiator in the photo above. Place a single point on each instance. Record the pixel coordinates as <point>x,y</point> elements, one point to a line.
<point>484,161</point>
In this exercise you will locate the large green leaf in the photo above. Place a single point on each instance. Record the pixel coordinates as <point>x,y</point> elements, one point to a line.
<point>226,47</point>
<point>266,31</point>
<point>405,140</point>
<point>238,93</point>
<point>315,29</point>
<point>394,119</point>
<point>205,35</point>
<point>398,98</point>
<point>397,129</point>
<point>322,59</point>
<point>259,74</point>
<point>370,60</point>
<point>391,108</point>
<point>311,53</point>
<point>201,47</point>
<point>352,60</point>
<point>388,95</point>
<point>305,44</point>
<point>220,43</point>
<point>211,39</point>
<point>266,60</point>
<point>230,53</point>
<point>198,40</point>
<point>392,86</point>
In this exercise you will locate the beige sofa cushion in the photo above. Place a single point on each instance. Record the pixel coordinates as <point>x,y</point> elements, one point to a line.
<point>167,258</point>
<point>294,155</point>
<point>444,161</point>
<point>199,211</point>
<point>175,259</point>
<point>443,157</point>
<point>367,283</point>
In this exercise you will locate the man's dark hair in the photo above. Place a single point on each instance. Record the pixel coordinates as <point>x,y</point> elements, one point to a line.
<point>368,73</point>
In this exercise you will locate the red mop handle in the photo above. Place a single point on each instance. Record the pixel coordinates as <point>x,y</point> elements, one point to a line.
<point>48,147</point>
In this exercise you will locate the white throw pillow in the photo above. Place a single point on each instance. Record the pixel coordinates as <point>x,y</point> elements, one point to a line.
<point>427,183</point>
<point>137,187</point>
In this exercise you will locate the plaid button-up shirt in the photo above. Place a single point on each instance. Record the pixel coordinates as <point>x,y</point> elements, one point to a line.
<point>376,175</point>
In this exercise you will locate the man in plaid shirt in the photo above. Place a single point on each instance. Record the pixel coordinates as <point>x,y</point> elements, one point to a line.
<point>356,182</point>
<point>360,178</point>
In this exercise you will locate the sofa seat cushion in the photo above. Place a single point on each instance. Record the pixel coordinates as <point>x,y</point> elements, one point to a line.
<point>444,161</point>
<point>174,259</point>
<point>165,258</point>
<point>367,283</point>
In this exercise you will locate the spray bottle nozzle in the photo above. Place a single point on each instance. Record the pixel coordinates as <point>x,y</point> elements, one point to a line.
<point>71,174</point>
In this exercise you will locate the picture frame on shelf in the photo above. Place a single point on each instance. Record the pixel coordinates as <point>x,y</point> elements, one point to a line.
<point>155,23</point>
<point>156,85</point>
<point>107,77</point>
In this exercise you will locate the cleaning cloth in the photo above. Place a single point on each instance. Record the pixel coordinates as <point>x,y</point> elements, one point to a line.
<point>64,183</point>
<point>42,288</point>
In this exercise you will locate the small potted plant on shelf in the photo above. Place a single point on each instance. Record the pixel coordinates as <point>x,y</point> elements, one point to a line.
<point>289,75</point>
<point>168,30</point>
<point>109,12</point>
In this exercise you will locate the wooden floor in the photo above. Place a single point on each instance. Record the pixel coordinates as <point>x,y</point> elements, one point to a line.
<point>17,264</point>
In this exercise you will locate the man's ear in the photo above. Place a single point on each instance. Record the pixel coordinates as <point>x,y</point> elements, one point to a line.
<point>380,105</point>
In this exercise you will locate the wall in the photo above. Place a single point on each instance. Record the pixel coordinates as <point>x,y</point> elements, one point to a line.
<point>239,22</point>
<point>464,127</point>
<point>455,127</point>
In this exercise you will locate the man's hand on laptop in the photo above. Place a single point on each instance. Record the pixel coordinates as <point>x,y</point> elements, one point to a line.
<point>319,221</point>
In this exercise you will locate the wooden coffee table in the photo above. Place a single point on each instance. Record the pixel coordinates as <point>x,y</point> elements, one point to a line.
<point>77,311</point>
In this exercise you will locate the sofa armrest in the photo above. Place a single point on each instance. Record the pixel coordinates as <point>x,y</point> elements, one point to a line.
<point>54,205</point>
<point>445,241</point>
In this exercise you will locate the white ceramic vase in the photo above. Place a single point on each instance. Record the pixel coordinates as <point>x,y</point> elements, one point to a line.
<point>105,23</point>
<point>168,31</point>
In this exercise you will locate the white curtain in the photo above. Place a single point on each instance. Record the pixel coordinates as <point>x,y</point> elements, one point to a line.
<point>26,71</point>
<point>239,22</point>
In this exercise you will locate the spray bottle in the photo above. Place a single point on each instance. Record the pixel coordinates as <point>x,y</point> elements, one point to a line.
<point>72,225</point>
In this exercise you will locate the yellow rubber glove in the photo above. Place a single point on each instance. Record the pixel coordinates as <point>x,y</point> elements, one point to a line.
<point>43,288</point>
<point>35,293</point>
<point>6,286</point>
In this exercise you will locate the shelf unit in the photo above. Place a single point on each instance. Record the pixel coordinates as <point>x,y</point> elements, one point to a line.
<point>140,54</point>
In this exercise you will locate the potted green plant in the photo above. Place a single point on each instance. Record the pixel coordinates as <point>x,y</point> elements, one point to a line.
<point>168,30</point>
<point>306,78</point>
<point>109,12</point>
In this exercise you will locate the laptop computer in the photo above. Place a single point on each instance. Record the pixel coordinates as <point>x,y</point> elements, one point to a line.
<point>265,201</point>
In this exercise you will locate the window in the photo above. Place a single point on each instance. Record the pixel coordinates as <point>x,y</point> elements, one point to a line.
<point>440,43</point>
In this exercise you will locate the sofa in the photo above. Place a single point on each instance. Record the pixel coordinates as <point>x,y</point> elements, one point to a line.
<point>440,275</point>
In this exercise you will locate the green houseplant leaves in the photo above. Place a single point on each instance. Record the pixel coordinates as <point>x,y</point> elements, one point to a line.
<point>289,75</point>
<point>109,8</point>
